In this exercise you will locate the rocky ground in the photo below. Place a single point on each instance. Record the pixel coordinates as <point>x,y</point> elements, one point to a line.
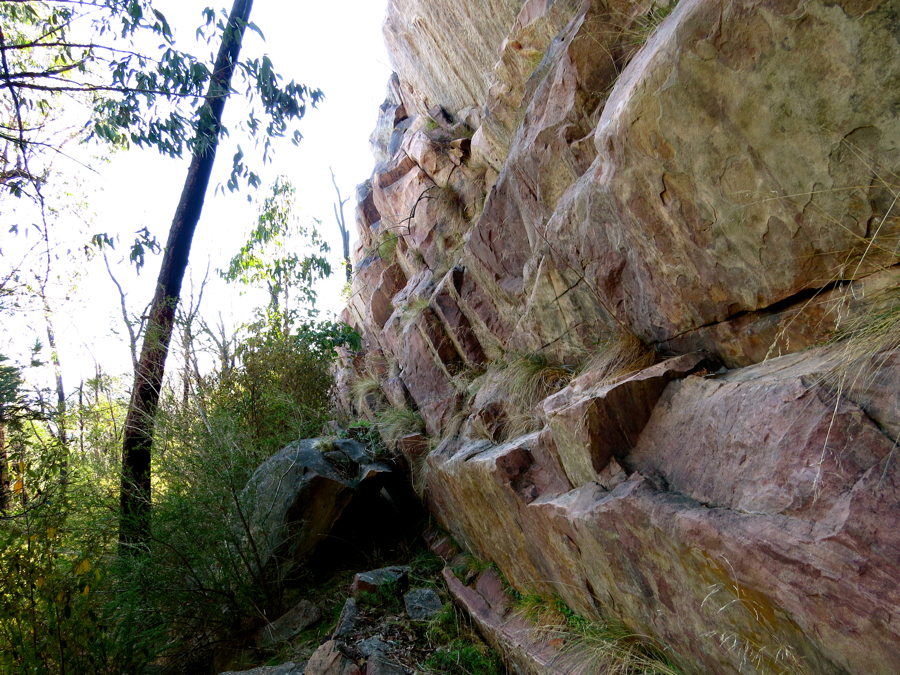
<point>388,621</point>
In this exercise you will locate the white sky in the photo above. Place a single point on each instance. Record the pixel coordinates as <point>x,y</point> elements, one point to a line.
<point>336,47</point>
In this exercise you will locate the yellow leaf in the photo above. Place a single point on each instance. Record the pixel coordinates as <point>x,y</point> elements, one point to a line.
<point>83,567</point>
<point>40,582</point>
<point>97,574</point>
<point>32,537</point>
<point>18,486</point>
<point>21,467</point>
<point>51,532</point>
<point>61,596</point>
<point>87,589</point>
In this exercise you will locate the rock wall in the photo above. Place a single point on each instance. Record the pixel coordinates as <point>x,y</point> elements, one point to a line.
<point>603,255</point>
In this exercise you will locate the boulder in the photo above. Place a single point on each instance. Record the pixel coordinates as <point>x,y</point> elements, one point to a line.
<point>300,617</point>
<point>297,496</point>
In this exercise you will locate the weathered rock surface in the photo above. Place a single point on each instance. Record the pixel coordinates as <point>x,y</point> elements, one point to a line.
<point>422,604</point>
<point>443,52</point>
<point>330,660</point>
<point>556,175</point>
<point>753,501</point>
<point>299,494</point>
<point>508,633</point>
<point>298,618</point>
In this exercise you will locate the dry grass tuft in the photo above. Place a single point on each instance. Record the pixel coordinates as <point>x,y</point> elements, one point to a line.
<point>413,310</point>
<point>529,378</point>
<point>618,355</point>
<point>364,386</point>
<point>395,423</point>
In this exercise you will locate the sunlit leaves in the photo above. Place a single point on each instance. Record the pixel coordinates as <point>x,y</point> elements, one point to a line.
<point>153,100</point>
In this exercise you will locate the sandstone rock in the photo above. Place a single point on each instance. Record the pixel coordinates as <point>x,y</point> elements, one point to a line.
<point>329,660</point>
<point>442,52</point>
<point>801,322</point>
<point>750,510</point>
<point>300,617</point>
<point>422,604</point>
<point>508,633</point>
<point>593,424</point>
<point>459,329</point>
<point>689,172</point>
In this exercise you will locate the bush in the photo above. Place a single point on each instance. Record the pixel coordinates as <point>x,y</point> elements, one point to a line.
<point>281,392</point>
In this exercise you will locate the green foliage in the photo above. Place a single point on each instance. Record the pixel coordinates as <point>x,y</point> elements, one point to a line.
<point>57,52</point>
<point>466,658</point>
<point>280,392</point>
<point>386,597</point>
<point>387,247</point>
<point>269,257</point>
<point>56,614</point>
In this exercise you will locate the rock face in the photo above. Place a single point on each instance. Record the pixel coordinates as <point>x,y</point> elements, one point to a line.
<point>602,248</point>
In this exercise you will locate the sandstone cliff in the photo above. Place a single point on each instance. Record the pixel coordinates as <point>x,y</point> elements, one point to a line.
<point>634,265</point>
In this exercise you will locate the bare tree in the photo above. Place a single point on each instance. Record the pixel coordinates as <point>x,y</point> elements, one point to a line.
<point>342,225</point>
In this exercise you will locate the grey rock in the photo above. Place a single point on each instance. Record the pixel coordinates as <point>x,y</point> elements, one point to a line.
<point>386,576</point>
<point>356,451</point>
<point>296,497</point>
<point>422,604</point>
<point>378,665</point>
<point>346,624</point>
<point>372,646</point>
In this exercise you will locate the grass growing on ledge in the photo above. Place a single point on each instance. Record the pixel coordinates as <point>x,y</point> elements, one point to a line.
<point>593,645</point>
<point>618,355</point>
<point>395,423</point>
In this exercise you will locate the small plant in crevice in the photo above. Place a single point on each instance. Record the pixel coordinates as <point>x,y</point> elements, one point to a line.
<point>644,25</point>
<point>366,389</point>
<point>461,651</point>
<point>396,423</point>
<point>413,310</point>
<point>529,378</point>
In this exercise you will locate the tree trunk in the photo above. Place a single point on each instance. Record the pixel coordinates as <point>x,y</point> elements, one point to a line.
<point>342,226</point>
<point>4,475</point>
<point>134,524</point>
